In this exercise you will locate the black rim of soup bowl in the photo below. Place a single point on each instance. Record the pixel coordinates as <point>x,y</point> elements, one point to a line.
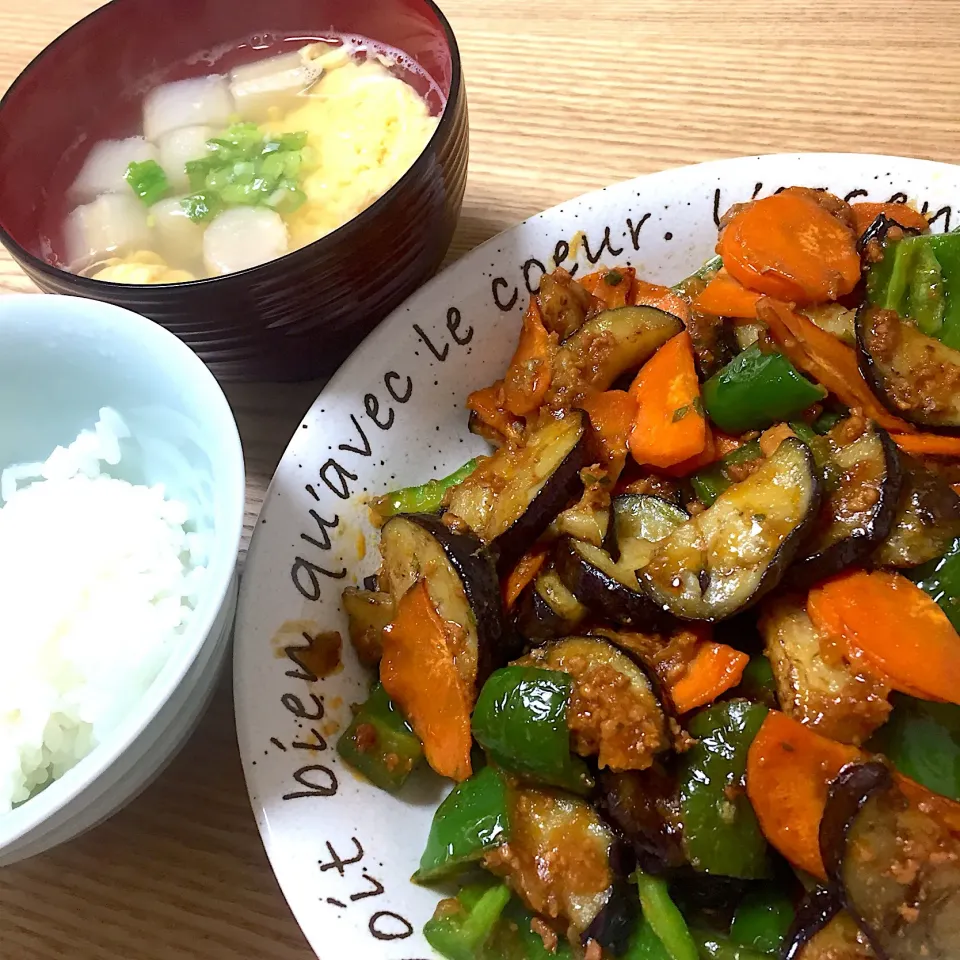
<point>99,289</point>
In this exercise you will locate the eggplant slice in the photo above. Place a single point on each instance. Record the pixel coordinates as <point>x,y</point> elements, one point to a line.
<point>640,806</point>
<point>586,886</point>
<point>368,612</point>
<point>829,696</point>
<point>927,519</point>
<point>606,346</point>
<point>548,610</point>
<point>864,481</point>
<point>614,713</point>
<point>563,302</point>
<point>512,497</point>
<point>611,590</point>
<point>898,868</point>
<point>727,557</point>
<point>462,583</point>
<point>823,930</point>
<point>913,375</point>
<point>639,521</point>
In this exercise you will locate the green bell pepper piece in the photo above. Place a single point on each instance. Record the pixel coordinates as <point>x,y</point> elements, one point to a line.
<point>148,181</point>
<point>946,248</point>
<point>460,927</point>
<point>473,818</point>
<point>919,278</point>
<point>940,578</point>
<point>762,920</point>
<point>888,280</point>
<point>379,743</point>
<point>666,921</point>
<point>757,683</point>
<point>756,390</point>
<point>922,740</point>
<point>720,830</point>
<point>645,944</point>
<point>711,481</point>
<point>513,938</point>
<point>706,272</point>
<point>827,421</point>
<point>521,721</point>
<point>426,498</point>
<point>715,946</point>
<point>925,293</point>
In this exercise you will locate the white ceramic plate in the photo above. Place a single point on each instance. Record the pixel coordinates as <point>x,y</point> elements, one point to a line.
<point>393,415</point>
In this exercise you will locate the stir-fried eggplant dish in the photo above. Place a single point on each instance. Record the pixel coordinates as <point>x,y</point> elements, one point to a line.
<point>686,640</point>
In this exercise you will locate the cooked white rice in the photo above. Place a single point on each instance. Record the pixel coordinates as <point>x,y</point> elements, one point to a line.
<point>97,580</point>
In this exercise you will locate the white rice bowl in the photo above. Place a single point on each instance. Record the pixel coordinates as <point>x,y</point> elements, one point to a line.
<point>98,579</point>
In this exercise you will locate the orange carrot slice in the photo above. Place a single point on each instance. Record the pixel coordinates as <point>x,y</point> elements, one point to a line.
<point>715,669</point>
<point>725,297</point>
<point>612,414</point>
<point>895,628</point>
<point>670,426</point>
<point>528,377</point>
<point>523,574</point>
<point>928,444</point>
<point>708,455</point>
<point>610,287</point>
<point>865,213</point>
<point>488,405</point>
<point>789,247</point>
<point>644,294</point>
<point>826,359</point>
<point>789,770</point>
<point>420,675</point>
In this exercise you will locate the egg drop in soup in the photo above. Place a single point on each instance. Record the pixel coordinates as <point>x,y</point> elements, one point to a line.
<point>234,169</point>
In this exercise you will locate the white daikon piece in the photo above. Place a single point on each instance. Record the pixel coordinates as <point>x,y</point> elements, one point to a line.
<point>179,239</point>
<point>179,146</point>
<point>275,82</point>
<point>112,225</point>
<point>243,237</point>
<point>106,163</point>
<point>205,101</point>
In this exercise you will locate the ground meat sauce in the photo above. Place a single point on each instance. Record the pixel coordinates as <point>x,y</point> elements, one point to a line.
<point>609,718</point>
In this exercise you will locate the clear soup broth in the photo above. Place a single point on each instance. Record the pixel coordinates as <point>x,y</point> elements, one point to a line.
<point>264,147</point>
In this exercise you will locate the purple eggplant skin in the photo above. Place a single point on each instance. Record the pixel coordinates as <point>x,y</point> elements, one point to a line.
<point>614,924</point>
<point>852,788</point>
<point>628,801</point>
<point>538,620</point>
<point>497,642</point>
<point>879,229</point>
<point>600,590</point>
<point>824,554</point>
<point>893,376</point>
<point>816,910</point>
<point>371,583</point>
<point>563,488</point>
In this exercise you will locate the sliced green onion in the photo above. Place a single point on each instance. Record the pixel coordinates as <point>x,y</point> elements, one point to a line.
<point>148,181</point>
<point>200,207</point>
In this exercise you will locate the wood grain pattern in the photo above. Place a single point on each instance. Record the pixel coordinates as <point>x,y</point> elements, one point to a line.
<point>564,97</point>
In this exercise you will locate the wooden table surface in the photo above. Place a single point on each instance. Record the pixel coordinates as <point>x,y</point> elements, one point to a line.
<point>564,97</point>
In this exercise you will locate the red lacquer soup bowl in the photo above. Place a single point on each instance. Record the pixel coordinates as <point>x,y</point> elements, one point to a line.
<point>290,318</point>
